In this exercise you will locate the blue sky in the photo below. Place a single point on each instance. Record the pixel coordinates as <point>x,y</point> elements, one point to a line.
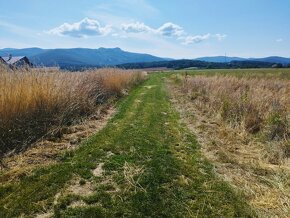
<point>167,28</point>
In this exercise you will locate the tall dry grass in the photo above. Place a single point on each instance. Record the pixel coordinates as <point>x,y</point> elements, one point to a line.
<point>258,105</point>
<point>242,123</point>
<point>35,102</point>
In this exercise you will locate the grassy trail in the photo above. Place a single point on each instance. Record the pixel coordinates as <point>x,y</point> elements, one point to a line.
<point>144,163</point>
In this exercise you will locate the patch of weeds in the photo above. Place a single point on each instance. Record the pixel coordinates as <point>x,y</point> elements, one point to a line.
<point>177,78</point>
<point>83,212</point>
<point>82,182</point>
<point>5,190</point>
<point>119,178</point>
<point>116,162</point>
<point>92,199</point>
<point>225,109</point>
<point>194,95</point>
<point>64,202</point>
<point>278,126</point>
<point>99,197</point>
<point>106,187</point>
<point>97,179</point>
<point>253,120</point>
<point>225,158</point>
<point>84,172</point>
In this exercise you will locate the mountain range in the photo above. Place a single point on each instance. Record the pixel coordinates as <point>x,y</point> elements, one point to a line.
<point>225,59</point>
<point>77,57</point>
<point>84,57</point>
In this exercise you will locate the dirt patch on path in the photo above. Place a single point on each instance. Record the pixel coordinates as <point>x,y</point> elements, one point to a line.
<point>46,152</point>
<point>99,170</point>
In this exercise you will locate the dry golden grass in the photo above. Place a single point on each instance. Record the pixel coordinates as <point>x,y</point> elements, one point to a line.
<point>37,102</point>
<point>242,124</point>
<point>258,105</point>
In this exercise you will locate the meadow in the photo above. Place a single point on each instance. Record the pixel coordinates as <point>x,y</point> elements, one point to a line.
<point>258,105</point>
<point>144,162</point>
<point>195,143</point>
<point>36,103</point>
<point>242,120</point>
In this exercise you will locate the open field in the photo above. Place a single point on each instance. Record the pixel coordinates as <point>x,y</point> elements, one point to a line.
<point>37,103</point>
<point>242,121</point>
<point>143,162</point>
<point>283,73</point>
<point>144,109</point>
<point>174,147</point>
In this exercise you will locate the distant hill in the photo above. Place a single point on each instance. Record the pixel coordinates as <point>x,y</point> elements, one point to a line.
<point>224,59</point>
<point>80,57</point>
<point>273,59</point>
<point>29,52</point>
<point>220,59</point>
<point>76,58</point>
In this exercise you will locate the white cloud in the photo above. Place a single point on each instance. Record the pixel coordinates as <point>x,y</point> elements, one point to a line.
<point>195,39</point>
<point>279,40</point>
<point>167,29</point>
<point>136,27</point>
<point>220,37</point>
<point>199,38</point>
<point>84,28</point>
<point>170,29</point>
<point>90,27</point>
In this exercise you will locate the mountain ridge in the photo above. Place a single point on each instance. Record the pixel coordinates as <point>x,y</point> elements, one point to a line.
<point>90,57</point>
<point>80,56</point>
<point>225,59</point>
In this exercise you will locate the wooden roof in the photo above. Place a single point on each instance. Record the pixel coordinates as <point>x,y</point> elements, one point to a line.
<point>13,60</point>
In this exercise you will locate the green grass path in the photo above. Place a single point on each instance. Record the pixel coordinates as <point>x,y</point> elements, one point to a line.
<point>152,167</point>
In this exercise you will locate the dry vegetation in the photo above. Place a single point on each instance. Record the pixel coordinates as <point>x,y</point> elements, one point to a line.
<point>243,124</point>
<point>254,104</point>
<point>36,103</point>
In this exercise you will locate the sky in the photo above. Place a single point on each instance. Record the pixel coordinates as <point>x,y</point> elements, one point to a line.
<point>165,28</point>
